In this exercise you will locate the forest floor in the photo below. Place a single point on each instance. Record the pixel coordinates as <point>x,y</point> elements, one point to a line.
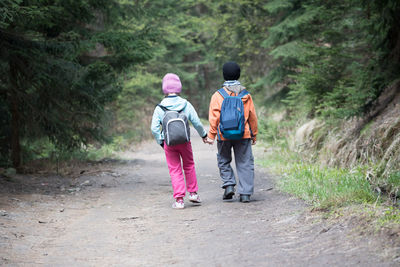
<point>118,213</point>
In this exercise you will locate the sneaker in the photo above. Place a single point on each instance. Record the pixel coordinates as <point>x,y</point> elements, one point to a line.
<point>178,204</point>
<point>194,197</point>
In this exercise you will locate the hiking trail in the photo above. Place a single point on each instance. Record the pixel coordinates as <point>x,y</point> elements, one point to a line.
<point>119,214</point>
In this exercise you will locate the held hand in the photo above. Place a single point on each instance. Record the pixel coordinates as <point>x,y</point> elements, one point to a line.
<point>209,141</point>
<point>253,141</point>
<point>204,139</point>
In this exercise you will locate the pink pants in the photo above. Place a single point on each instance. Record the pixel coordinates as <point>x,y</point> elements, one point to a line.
<point>174,155</point>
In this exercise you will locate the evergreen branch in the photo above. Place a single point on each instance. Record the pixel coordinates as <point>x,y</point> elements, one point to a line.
<point>14,40</point>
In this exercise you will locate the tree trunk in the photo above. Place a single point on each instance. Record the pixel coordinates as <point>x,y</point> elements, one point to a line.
<point>14,103</point>
<point>207,86</point>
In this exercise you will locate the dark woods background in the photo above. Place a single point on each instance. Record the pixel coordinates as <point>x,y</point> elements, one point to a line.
<point>78,73</point>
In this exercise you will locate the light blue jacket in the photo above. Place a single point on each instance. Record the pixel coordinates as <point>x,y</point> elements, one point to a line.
<point>175,103</point>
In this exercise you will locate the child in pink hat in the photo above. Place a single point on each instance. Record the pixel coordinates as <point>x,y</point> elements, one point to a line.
<point>180,155</point>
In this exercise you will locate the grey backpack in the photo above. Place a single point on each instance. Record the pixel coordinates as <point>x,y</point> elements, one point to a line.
<point>175,127</point>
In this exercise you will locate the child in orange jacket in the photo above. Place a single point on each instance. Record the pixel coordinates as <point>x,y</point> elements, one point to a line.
<point>242,148</point>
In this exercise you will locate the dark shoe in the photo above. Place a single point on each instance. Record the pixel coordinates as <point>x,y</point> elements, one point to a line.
<point>245,198</point>
<point>229,192</point>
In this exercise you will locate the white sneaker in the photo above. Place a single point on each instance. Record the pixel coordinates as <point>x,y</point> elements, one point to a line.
<point>178,204</point>
<point>194,197</point>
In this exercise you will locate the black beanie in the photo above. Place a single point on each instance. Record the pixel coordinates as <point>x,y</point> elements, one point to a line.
<point>231,71</point>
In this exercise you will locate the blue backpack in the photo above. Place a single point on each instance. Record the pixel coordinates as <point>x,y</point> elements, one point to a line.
<point>231,120</point>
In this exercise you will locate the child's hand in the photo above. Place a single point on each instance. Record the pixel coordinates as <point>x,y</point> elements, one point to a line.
<point>253,141</point>
<point>209,141</point>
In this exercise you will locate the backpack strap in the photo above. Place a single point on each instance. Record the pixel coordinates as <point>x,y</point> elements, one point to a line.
<point>218,135</point>
<point>223,92</point>
<point>243,93</point>
<point>162,107</point>
<point>165,109</point>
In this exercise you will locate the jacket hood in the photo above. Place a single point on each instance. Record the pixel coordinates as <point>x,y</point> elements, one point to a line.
<point>174,103</point>
<point>237,89</point>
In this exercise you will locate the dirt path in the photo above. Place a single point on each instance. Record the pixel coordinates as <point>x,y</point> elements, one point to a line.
<point>122,216</point>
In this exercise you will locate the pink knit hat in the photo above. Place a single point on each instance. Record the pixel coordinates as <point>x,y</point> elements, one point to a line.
<point>171,84</point>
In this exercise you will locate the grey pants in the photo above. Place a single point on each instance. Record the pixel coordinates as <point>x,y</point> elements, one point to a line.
<point>244,161</point>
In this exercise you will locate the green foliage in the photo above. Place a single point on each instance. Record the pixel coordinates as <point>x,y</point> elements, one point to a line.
<point>320,186</point>
<point>135,103</point>
<point>44,149</point>
<point>4,133</point>
<point>394,181</point>
<point>386,184</point>
<point>241,27</point>
<point>60,64</point>
<point>323,50</point>
<point>391,215</point>
<point>274,132</point>
<point>327,187</point>
<point>274,7</point>
<point>84,69</point>
<point>109,150</point>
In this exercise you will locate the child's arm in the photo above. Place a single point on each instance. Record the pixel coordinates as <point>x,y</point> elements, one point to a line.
<point>253,119</point>
<point>195,120</point>
<point>213,115</point>
<point>156,126</point>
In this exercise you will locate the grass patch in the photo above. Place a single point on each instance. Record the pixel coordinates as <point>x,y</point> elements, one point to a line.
<point>327,187</point>
<point>331,190</point>
<point>105,151</point>
<point>390,215</point>
<point>319,186</point>
<point>353,192</point>
<point>339,193</point>
<point>43,149</point>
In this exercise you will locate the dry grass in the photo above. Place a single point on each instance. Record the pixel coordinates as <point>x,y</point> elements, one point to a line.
<point>373,141</point>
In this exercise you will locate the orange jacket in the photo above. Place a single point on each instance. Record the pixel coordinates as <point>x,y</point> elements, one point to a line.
<point>249,115</point>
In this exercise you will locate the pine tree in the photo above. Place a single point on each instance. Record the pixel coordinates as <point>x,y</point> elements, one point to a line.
<point>59,63</point>
<point>323,53</point>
